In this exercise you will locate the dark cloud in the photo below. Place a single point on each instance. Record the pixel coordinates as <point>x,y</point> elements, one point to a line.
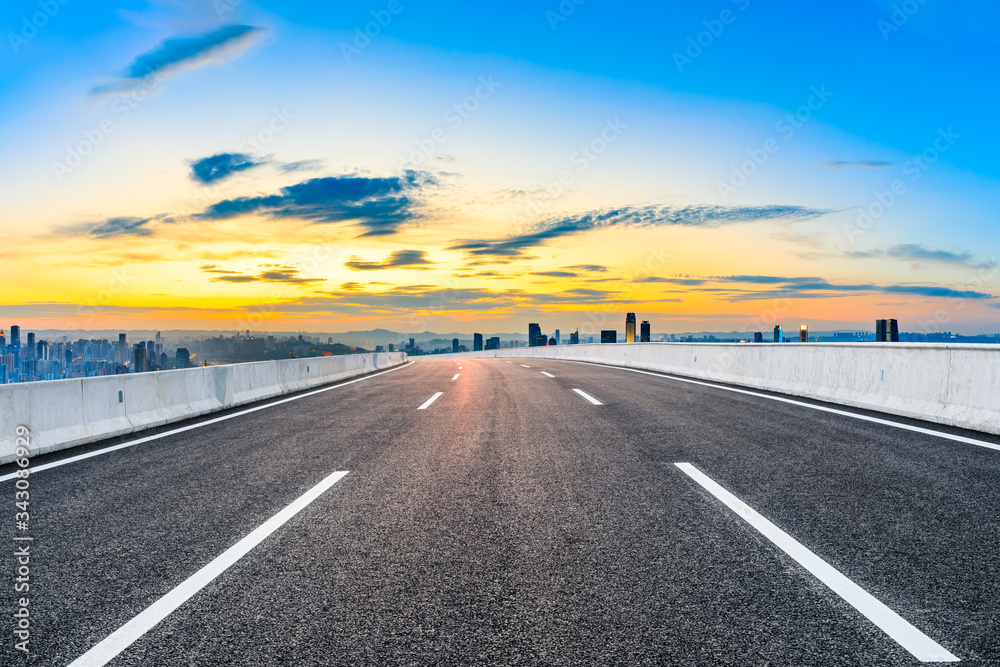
<point>181,53</point>
<point>592,268</point>
<point>648,216</point>
<point>555,274</point>
<point>673,281</point>
<point>380,206</point>
<point>400,259</point>
<point>219,167</point>
<point>867,164</point>
<point>918,253</point>
<point>811,287</point>
<point>278,275</point>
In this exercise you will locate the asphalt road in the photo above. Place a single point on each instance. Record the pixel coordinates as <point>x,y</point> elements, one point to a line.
<point>514,521</point>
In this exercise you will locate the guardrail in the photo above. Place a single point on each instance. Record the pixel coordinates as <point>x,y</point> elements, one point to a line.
<point>957,385</point>
<point>67,413</point>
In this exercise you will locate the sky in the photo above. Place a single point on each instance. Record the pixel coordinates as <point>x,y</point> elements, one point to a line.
<point>472,167</point>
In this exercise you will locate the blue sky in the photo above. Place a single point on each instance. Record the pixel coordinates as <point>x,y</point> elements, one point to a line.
<point>888,163</point>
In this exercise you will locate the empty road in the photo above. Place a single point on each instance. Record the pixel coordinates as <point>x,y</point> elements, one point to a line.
<point>517,512</point>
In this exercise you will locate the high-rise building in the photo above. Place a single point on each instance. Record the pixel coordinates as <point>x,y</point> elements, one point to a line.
<point>758,337</point>
<point>629,327</point>
<point>3,343</point>
<point>454,345</point>
<point>15,340</point>
<point>413,346</point>
<point>160,340</point>
<point>778,334</point>
<point>182,358</point>
<point>574,338</point>
<point>392,347</point>
<point>31,344</point>
<point>534,332</point>
<point>493,343</point>
<point>609,336</point>
<point>804,333</point>
<point>886,331</point>
<point>477,342</point>
<point>557,337</point>
<point>644,332</point>
<point>139,358</point>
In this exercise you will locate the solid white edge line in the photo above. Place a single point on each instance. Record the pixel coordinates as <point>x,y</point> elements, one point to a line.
<point>821,408</point>
<point>548,374</point>
<point>910,638</point>
<point>124,636</point>
<point>456,376</point>
<point>587,396</point>
<point>216,420</point>
<point>430,400</point>
<point>526,366</point>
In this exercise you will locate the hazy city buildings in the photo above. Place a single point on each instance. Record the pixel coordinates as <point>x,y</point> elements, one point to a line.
<point>609,336</point>
<point>534,334</point>
<point>644,332</point>
<point>477,342</point>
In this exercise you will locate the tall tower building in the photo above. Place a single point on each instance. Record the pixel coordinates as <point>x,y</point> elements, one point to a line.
<point>477,342</point>
<point>3,342</point>
<point>139,357</point>
<point>804,333</point>
<point>15,340</point>
<point>644,332</point>
<point>779,335</point>
<point>609,335</point>
<point>893,331</point>
<point>881,327</point>
<point>454,345</point>
<point>534,331</point>
<point>629,327</point>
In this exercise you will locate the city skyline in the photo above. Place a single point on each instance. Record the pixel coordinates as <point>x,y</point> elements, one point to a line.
<point>179,166</point>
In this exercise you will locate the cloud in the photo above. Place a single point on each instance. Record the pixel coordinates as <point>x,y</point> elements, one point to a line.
<point>648,216</point>
<point>866,164</point>
<point>400,259</point>
<point>918,253</point>
<point>812,287</point>
<point>555,274</point>
<point>592,268</point>
<point>286,275</point>
<point>301,165</point>
<point>672,281</point>
<point>380,206</point>
<point>110,228</point>
<point>180,54</point>
<point>219,167</point>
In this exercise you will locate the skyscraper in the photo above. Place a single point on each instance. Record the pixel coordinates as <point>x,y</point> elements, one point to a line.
<point>534,332</point>
<point>893,331</point>
<point>609,336</point>
<point>182,358</point>
<point>31,344</point>
<point>758,337</point>
<point>644,332</point>
<point>804,333</point>
<point>139,358</point>
<point>15,340</point>
<point>779,335</point>
<point>493,343</point>
<point>881,327</point>
<point>629,327</point>
<point>574,338</point>
<point>557,337</point>
<point>3,341</point>
<point>454,345</point>
<point>477,342</point>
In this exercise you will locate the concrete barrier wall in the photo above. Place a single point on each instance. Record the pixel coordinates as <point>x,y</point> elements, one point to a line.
<point>66,413</point>
<point>958,385</point>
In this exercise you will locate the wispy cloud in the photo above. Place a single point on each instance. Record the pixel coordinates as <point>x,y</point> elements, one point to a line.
<point>180,54</point>
<point>301,165</point>
<point>648,216</point>
<point>277,275</point>
<point>866,164</point>
<point>110,228</point>
<point>812,287</point>
<point>400,259</point>
<point>380,206</point>
<point>219,167</point>
<point>918,253</point>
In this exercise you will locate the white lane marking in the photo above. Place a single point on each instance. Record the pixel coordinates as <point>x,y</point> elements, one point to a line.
<point>124,636</point>
<point>459,368</point>
<point>588,397</point>
<point>913,640</point>
<point>548,374</point>
<point>456,376</point>
<point>509,362</point>
<point>526,366</point>
<point>216,420</point>
<point>430,400</point>
<point>844,413</point>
